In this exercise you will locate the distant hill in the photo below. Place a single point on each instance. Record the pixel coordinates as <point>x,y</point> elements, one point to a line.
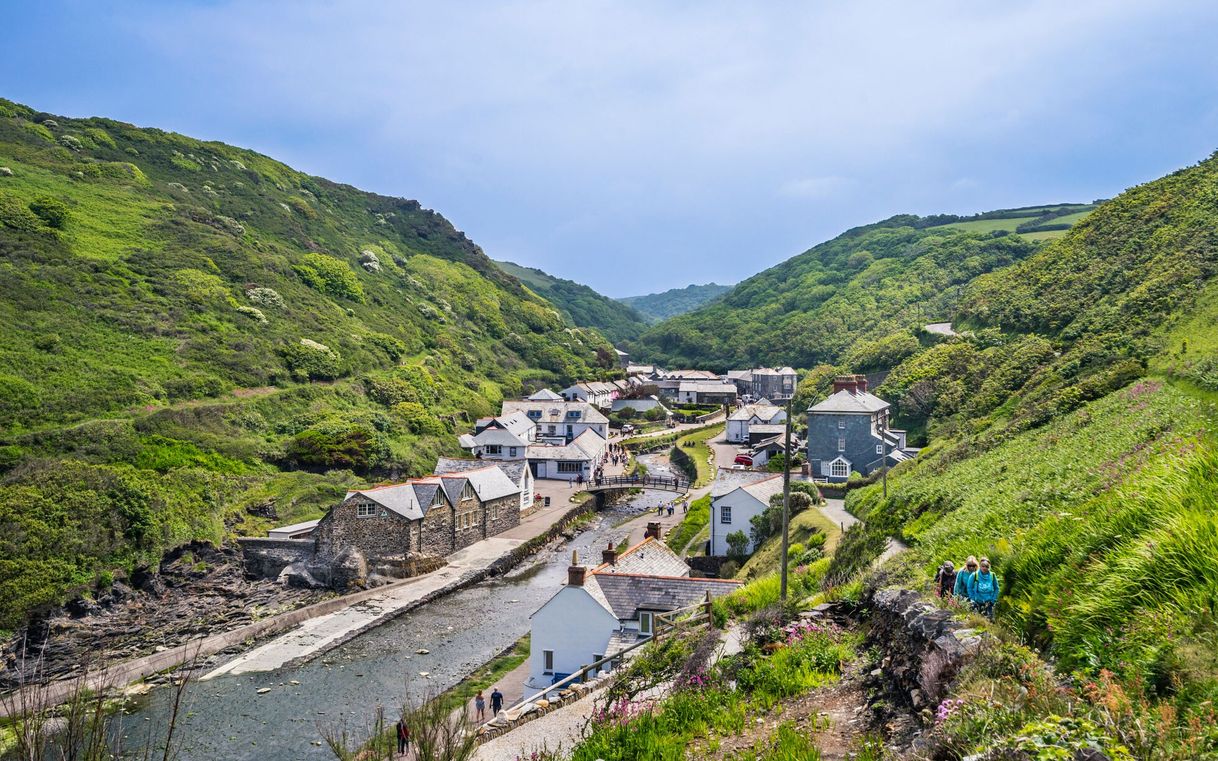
<point>859,298</point>
<point>670,303</point>
<point>199,341</point>
<point>580,304</point>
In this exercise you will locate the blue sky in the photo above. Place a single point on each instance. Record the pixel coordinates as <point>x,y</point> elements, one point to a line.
<point>641,146</point>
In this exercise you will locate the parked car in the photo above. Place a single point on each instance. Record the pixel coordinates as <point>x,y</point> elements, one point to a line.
<point>744,459</point>
<point>628,428</point>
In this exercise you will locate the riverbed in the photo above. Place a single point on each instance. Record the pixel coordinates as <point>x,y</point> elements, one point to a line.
<point>226,717</point>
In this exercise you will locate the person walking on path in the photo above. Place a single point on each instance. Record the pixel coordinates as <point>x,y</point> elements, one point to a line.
<point>960,588</point>
<point>496,702</point>
<point>983,590</point>
<point>403,736</point>
<point>945,579</point>
<point>480,706</point>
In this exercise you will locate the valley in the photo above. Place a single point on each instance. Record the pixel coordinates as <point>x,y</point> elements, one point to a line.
<point>204,347</point>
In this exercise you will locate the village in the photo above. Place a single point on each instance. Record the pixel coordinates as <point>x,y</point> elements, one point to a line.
<point>555,454</point>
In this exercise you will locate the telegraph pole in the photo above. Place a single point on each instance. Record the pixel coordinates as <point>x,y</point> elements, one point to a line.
<point>884,449</point>
<point>786,499</point>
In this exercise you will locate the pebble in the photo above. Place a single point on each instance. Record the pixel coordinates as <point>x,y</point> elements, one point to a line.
<point>263,690</point>
<point>294,682</point>
<point>422,651</point>
<point>424,674</point>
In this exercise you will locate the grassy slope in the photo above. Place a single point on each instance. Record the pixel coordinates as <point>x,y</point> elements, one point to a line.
<point>660,306</point>
<point>582,305</point>
<point>859,300</point>
<point>143,401</point>
<point>805,524</point>
<point>1093,490</point>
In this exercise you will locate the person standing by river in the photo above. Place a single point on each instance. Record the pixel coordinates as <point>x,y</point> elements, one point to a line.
<point>403,736</point>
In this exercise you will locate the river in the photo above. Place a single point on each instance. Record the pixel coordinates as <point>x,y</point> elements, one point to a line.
<point>226,718</point>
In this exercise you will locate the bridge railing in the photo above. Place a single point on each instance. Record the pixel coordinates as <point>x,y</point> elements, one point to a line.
<point>667,483</point>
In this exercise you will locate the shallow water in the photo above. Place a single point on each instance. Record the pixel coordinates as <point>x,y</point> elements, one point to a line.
<point>227,719</point>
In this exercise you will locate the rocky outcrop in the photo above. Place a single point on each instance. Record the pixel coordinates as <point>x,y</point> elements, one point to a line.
<point>924,647</point>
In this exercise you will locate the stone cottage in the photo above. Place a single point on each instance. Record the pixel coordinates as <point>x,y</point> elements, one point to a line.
<point>849,432</point>
<point>435,515</point>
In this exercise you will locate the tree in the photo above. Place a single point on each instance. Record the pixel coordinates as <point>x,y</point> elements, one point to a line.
<point>737,545</point>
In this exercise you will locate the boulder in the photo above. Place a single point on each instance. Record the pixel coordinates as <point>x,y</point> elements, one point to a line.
<point>5,172</point>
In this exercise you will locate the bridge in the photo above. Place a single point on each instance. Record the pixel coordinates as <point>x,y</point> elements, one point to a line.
<point>661,483</point>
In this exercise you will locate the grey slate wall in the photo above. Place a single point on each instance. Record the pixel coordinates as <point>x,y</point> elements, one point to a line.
<point>386,534</point>
<point>823,434</point>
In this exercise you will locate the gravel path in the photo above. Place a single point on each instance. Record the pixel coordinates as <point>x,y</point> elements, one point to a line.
<point>561,728</point>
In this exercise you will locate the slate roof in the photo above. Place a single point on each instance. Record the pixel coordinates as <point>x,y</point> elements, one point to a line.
<point>627,594</point>
<point>620,640</point>
<point>545,395</point>
<point>727,481</point>
<point>844,401</point>
<point>586,446</point>
<point>556,411</point>
<point>513,469</point>
<point>489,482</point>
<point>765,489</point>
<point>740,375</point>
<point>402,499</point>
<point>498,436</point>
<point>706,387</point>
<point>766,412</point>
<point>773,430</point>
<point>651,557</point>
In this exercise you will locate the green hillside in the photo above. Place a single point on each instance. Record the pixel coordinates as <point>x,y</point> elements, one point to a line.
<point>195,334</point>
<point>660,306</point>
<point>580,304</point>
<point>859,299</point>
<point>1073,443</point>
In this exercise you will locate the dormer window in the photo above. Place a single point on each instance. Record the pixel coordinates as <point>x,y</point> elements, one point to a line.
<point>468,491</point>
<point>534,414</point>
<point>437,499</point>
<point>573,414</point>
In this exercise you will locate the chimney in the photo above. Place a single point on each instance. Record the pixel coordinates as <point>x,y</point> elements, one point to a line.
<point>861,382</point>
<point>609,554</point>
<point>845,383</point>
<point>653,530</point>
<point>576,572</point>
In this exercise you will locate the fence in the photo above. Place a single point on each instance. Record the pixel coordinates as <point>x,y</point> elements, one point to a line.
<point>666,483</point>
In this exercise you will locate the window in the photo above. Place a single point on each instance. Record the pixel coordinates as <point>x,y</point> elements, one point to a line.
<point>725,514</point>
<point>511,451</point>
<point>365,510</point>
<point>570,431</point>
<point>570,467</point>
<point>841,443</point>
<point>841,422</point>
<point>534,414</point>
<point>645,624</point>
<point>596,657</point>
<point>547,661</point>
<point>468,491</point>
<point>493,449</point>
<point>551,430</point>
<point>840,469</point>
<point>437,499</point>
<point>879,449</point>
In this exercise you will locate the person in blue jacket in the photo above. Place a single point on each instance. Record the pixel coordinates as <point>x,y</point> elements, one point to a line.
<point>983,590</point>
<point>960,590</point>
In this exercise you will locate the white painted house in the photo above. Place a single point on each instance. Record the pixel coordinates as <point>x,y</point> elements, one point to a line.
<point>749,415</point>
<point>559,421</point>
<point>581,457</point>
<point>605,609</point>
<point>736,498</point>
<point>501,438</point>
<point>597,393</point>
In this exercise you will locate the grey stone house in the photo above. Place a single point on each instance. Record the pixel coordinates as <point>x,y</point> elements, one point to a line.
<point>849,432</point>
<point>436,515</point>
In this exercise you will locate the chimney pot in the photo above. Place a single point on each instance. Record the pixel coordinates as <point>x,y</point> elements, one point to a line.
<point>845,383</point>
<point>609,555</point>
<point>861,383</point>
<point>653,530</point>
<point>576,572</point>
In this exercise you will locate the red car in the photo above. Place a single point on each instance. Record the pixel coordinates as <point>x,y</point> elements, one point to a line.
<point>743,459</point>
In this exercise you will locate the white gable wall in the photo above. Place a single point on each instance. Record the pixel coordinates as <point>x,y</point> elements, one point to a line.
<point>575,627</point>
<point>744,507</point>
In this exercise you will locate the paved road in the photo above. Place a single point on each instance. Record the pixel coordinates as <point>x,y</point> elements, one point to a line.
<point>941,328</point>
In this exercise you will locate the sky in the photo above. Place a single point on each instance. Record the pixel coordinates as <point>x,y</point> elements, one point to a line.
<point>638,146</point>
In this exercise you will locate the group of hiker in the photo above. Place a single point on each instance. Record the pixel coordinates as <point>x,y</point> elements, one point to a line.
<point>976,583</point>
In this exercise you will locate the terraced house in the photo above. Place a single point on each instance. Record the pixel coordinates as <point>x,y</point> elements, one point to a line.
<point>435,515</point>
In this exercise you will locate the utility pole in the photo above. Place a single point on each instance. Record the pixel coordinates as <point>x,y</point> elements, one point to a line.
<point>786,499</point>
<point>884,449</point>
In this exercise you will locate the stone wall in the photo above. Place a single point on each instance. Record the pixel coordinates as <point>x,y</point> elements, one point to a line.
<point>266,558</point>
<point>502,514</point>
<point>437,532</point>
<point>924,648</point>
<point>385,534</point>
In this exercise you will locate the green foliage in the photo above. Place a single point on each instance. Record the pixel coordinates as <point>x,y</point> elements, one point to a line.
<point>331,276</point>
<point>126,347</point>
<point>737,546</point>
<point>660,306</point>
<point>581,305</point>
<point>52,211</point>
<point>691,525</point>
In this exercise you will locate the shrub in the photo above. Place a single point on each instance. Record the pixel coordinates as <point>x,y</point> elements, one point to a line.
<point>331,276</point>
<point>16,215</point>
<point>265,297</point>
<point>729,569</point>
<point>738,545</point>
<point>354,445</point>
<point>310,360</point>
<point>418,419</point>
<point>52,211</point>
<point>48,342</point>
<point>253,313</point>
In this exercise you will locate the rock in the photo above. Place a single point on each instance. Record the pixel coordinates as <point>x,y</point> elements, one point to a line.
<point>147,580</point>
<point>425,674</point>
<point>263,690</point>
<point>294,682</point>
<point>5,172</point>
<point>422,651</point>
